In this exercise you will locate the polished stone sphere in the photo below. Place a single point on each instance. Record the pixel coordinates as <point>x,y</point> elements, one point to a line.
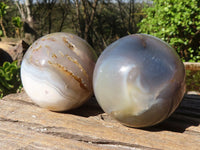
<point>139,80</point>
<point>57,71</point>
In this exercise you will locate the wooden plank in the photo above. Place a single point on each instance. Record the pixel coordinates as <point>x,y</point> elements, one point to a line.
<point>24,125</point>
<point>192,66</point>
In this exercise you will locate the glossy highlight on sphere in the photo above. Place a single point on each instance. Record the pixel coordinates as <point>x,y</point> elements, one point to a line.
<point>57,71</point>
<point>139,80</point>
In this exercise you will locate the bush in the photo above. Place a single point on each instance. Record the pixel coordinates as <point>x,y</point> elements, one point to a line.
<point>176,22</point>
<point>10,81</point>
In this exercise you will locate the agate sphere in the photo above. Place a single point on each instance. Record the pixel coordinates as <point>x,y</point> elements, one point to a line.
<point>57,71</point>
<point>139,80</point>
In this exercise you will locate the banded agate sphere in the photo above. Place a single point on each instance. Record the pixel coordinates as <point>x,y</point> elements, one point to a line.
<point>57,71</point>
<point>139,80</point>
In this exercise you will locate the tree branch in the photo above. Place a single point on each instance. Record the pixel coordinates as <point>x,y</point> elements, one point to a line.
<point>21,11</point>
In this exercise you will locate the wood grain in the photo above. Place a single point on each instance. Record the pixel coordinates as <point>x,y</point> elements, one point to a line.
<point>192,66</point>
<point>25,126</point>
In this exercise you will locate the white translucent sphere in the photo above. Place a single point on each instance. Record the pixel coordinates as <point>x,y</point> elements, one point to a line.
<point>139,80</point>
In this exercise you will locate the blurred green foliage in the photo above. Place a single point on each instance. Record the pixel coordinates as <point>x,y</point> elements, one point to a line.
<point>100,25</point>
<point>192,80</point>
<point>10,81</point>
<point>176,22</point>
<point>3,8</point>
<point>17,22</point>
<point>3,12</point>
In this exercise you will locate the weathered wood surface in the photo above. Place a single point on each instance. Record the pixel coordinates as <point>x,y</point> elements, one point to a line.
<point>192,66</point>
<point>25,126</point>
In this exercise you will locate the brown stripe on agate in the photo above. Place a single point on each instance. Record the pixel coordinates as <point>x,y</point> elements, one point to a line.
<point>69,73</point>
<point>77,64</point>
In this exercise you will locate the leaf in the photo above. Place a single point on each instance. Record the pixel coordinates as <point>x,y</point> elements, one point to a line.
<point>175,22</point>
<point>9,78</point>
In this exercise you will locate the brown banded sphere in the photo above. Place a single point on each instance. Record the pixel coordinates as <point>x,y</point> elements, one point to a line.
<point>57,71</point>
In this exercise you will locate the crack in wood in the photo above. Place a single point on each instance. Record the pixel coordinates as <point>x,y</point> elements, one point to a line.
<point>61,132</point>
<point>8,120</point>
<point>98,141</point>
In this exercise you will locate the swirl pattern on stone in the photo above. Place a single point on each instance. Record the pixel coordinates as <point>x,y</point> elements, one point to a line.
<point>139,80</point>
<point>57,71</point>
